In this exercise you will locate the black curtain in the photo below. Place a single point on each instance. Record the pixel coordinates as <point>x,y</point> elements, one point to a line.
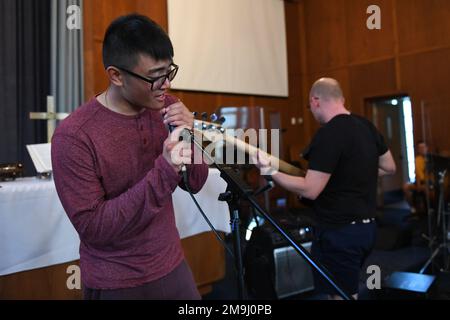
<point>24,77</point>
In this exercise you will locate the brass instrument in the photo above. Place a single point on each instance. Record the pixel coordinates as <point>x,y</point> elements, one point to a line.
<point>10,171</point>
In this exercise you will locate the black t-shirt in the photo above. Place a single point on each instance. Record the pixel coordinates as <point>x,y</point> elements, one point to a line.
<point>347,147</point>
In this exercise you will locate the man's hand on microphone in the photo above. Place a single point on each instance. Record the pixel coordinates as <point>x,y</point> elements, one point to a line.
<point>177,114</point>
<point>177,153</point>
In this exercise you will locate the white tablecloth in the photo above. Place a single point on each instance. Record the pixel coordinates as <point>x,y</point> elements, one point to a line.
<point>35,231</point>
<point>189,219</point>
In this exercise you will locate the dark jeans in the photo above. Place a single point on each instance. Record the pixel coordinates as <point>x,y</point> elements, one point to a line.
<point>342,251</point>
<point>177,285</point>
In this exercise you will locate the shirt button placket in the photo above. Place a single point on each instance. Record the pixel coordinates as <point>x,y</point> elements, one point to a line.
<point>140,124</point>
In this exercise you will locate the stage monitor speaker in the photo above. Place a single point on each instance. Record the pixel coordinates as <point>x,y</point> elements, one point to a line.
<point>273,269</point>
<point>293,275</point>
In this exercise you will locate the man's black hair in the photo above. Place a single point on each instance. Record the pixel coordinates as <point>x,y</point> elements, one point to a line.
<point>131,35</point>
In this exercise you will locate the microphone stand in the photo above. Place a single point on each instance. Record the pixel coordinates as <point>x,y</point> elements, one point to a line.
<point>237,189</point>
<point>232,197</point>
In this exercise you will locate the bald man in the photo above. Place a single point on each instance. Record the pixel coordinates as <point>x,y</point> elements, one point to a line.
<point>346,156</point>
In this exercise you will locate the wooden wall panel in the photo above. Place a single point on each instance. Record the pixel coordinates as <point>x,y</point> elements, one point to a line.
<point>206,257</point>
<point>49,283</point>
<point>408,55</point>
<point>364,44</point>
<point>293,33</point>
<point>234,100</point>
<point>426,76</point>
<point>88,50</point>
<point>437,125</point>
<point>325,34</point>
<point>99,74</point>
<point>294,105</point>
<point>155,9</point>
<point>198,101</point>
<point>423,24</point>
<point>371,80</point>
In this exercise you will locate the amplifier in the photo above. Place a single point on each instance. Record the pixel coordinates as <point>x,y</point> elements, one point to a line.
<point>293,275</point>
<point>273,269</point>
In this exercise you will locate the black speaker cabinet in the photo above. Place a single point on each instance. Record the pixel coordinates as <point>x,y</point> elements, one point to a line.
<point>273,269</point>
<point>293,275</point>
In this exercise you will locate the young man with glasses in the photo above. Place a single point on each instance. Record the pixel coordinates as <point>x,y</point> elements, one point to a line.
<point>345,156</point>
<point>115,167</point>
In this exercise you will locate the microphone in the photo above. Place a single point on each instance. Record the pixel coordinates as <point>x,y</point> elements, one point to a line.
<point>168,101</point>
<point>186,133</point>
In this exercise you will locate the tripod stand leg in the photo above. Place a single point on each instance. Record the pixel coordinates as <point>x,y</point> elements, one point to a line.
<point>235,221</point>
<point>430,260</point>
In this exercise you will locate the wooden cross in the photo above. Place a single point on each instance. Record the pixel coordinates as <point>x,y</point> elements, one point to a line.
<point>51,116</point>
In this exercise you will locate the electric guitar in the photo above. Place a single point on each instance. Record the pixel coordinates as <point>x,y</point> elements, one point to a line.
<point>214,132</point>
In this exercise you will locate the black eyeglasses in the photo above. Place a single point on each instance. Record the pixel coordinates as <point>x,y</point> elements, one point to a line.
<point>156,82</point>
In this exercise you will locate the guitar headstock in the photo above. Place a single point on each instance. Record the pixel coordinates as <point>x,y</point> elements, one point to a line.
<point>209,129</point>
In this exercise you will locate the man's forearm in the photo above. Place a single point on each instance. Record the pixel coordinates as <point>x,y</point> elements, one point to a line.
<point>293,184</point>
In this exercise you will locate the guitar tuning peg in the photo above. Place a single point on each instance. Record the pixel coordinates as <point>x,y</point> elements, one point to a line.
<point>204,116</point>
<point>221,120</point>
<point>222,129</point>
<point>214,117</point>
<point>195,113</point>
